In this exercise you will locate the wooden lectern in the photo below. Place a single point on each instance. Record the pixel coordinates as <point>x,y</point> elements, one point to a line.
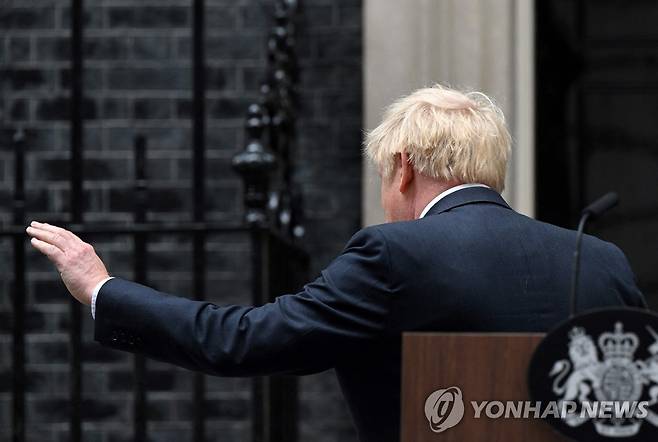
<point>485,367</point>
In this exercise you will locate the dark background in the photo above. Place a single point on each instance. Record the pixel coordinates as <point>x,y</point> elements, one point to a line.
<point>138,80</point>
<point>597,121</point>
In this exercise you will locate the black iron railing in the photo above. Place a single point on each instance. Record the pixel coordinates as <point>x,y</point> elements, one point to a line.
<point>272,220</point>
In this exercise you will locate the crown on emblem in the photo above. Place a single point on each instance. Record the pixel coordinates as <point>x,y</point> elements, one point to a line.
<point>578,337</point>
<point>618,344</point>
<point>576,333</point>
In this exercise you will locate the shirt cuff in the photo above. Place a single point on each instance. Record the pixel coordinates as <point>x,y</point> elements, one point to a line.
<point>94,295</point>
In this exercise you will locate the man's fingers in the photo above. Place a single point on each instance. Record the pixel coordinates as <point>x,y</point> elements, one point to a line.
<point>45,226</point>
<point>48,236</point>
<point>54,229</point>
<point>52,252</point>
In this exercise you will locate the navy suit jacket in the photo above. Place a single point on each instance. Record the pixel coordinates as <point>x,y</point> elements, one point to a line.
<point>471,264</point>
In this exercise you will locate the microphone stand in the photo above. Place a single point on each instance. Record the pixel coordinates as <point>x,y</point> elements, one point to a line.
<point>597,208</point>
<point>576,262</point>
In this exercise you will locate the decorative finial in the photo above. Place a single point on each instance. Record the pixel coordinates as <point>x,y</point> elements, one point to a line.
<point>255,164</point>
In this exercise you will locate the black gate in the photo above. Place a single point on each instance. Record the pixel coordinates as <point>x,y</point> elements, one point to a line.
<point>272,223</point>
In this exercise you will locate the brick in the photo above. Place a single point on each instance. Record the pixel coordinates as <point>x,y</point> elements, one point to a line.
<point>149,78</point>
<point>318,16</point>
<point>5,198</point>
<point>235,409</point>
<point>56,410</point>
<point>92,136</point>
<point>19,49</point>
<point>94,382</point>
<point>321,76</point>
<point>338,103</point>
<point>22,79</point>
<point>92,79</point>
<point>327,409</point>
<point>170,138</point>
<point>350,14</point>
<point>47,352</point>
<point>161,168</point>
<point>221,17</point>
<point>223,138</point>
<point>168,434</point>
<point>38,382</point>
<point>41,434</point>
<point>228,107</point>
<point>345,45</point>
<point>58,109</point>
<point>19,110</point>
<point>108,169</point>
<point>219,170</point>
<point>35,138</point>
<point>350,139</point>
<point>27,18</point>
<point>121,435</point>
<point>5,385</point>
<point>49,410</point>
<point>218,78</point>
<point>148,108</point>
<point>149,17</point>
<point>254,15</point>
<point>34,321</point>
<point>105,48</point>
<point>151,48</point>
<point>93,352</point>
<point>93,409</point>
<point>115,108</point>
<point>155,380</point>
<point>53,48</point>
<point>229,260</point>
<point>163,261</point>
<point>160,411</point>
<point>160,200</point>
<point>90,435</point>
<point>252,78</point>
<point>183,47</point>
<point>48,291</point>
<point>304,45</point>
<point>184,108</point>
<point>233,47</point>
<point>60,199</point>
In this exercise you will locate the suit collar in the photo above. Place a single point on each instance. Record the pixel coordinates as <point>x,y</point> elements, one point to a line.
<point>470,195</point>
<point>446,193</point>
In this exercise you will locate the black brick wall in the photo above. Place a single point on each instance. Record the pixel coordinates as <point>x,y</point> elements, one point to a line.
<point>138,79</point>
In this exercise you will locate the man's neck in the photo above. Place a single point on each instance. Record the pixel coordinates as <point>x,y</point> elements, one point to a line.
<point>443,193</point>
<point>428,191</point>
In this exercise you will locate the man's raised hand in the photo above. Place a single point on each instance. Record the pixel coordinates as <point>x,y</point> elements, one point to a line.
<point>79,266</point>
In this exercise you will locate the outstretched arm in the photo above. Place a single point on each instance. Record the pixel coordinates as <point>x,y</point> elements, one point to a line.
<point>330,319</point>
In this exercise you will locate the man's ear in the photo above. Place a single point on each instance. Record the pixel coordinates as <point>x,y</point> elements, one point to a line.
<point>406,172</point>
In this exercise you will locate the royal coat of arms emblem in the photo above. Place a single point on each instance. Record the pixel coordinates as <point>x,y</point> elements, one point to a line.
<point>616,378</point>
<point>610,357</point>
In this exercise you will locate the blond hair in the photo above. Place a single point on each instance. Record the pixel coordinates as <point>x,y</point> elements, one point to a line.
<point>447,134</point>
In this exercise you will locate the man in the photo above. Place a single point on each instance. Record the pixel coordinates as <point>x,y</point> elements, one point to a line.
<point>452,257</point>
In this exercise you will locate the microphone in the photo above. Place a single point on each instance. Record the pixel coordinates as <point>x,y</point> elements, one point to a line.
<point>602,205</point>
<point>594,210</point>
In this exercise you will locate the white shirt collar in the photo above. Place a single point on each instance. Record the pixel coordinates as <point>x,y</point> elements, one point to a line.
<point>446,193</point>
